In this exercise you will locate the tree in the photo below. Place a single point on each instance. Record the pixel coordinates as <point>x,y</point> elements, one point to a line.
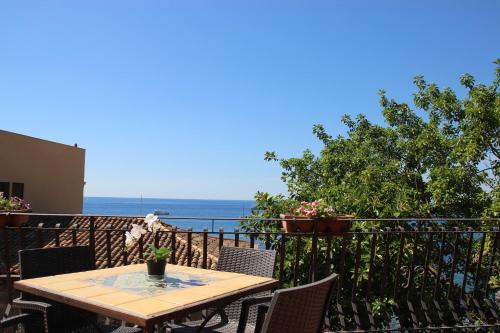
<point>440,161</point>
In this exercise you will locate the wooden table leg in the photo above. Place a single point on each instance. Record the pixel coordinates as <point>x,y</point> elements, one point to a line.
<point>149,328</point>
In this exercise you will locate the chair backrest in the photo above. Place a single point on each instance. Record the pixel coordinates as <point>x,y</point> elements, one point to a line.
<point>300,309</point>
<point>51,261</point>
<point>246,261</point>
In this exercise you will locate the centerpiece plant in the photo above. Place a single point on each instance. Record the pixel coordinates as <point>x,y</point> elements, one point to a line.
<point>305,216</point>
<point>156,258</point>
<point>14,205</point>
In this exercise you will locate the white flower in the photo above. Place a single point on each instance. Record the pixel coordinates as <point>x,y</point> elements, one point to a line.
<point>129,240</point>
<point>150,218</point>
<point>153,222</point>
<point>137,231</point>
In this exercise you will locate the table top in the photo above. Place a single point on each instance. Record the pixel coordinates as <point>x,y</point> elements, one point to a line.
<point>127,293</point>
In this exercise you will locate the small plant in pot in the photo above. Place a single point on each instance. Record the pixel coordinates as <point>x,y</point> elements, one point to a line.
<point>157,256</point>
<point>13,205</point>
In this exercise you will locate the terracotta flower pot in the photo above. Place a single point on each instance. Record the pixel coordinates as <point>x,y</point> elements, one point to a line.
<point>19,220</point>
<point>156,268</point>
<point>339,224</point>
<point>321,224</point>
<point>3,219</point>
<point>297,225</point>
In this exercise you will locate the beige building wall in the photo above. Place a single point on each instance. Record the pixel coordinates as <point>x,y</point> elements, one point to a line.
<point>52,173</point>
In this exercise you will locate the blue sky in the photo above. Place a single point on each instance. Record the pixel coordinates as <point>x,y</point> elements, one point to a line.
<point>180,99</point>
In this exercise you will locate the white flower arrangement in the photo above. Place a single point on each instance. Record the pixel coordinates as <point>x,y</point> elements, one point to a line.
<point>153,224</point>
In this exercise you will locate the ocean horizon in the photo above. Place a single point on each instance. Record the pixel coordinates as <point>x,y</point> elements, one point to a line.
<point>175,207</point>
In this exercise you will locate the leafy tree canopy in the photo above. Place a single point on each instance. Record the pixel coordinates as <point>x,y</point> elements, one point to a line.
<point>442,160</point>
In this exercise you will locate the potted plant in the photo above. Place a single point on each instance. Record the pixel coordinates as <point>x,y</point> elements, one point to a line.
<point>157,256</point>
<point>306,216</point>
<point>13,205</point>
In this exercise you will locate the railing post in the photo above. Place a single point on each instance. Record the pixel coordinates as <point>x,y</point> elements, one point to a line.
<point>39,234</point>
<point>205,248</point>
<point>399,262</point>
<point>92,237</point>
<point>190,246</point>
<point>22,238</point>
<point>57,233</point>
<point>371,265</point>
<point>5,232</point>
<point>156,239</point>
<point>252,238</point>
<point>467,260</point>
<point>73,234</point>
<point>314,253</point>
<point>141,247</point>
<point>236,237</point>
<point>492,260</point>
<point>268,239</point>
<point>454,261</point>
<point>221,238</point>
<point>328,254</point>
<point>108,245</point>
<point>479,263</point>
<point>282,258</point>
<point>124,250</point>
<point>298,240</point>
<point>385,270</point>
<point>173,246</point>
<point>440,262</point>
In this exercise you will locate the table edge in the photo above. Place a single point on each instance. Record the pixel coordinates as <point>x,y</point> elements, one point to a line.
<point>142,320</point>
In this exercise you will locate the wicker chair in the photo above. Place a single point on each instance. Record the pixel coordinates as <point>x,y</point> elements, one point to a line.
<point>40,316</point>
<point>294,310</point>
<point>238,260</point>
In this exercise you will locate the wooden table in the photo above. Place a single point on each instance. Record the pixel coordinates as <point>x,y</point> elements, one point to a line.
<point>126,293</point>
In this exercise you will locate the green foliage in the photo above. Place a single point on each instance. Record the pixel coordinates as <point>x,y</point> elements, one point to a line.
<point>158,254</point>
<point>440,161</point>
<point>12,203</point>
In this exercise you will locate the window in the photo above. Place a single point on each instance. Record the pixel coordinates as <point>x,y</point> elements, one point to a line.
<point>5,188</point>
<point>18,190</point>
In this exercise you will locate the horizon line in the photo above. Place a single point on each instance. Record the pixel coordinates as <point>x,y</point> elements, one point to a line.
<point>161,198</point>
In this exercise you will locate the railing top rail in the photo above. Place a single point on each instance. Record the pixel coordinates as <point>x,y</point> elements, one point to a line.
<point>210,218</point>
<point>262,232</point>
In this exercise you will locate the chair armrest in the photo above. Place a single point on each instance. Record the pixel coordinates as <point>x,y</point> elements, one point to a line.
<point>256,300</point>
<point>219,310</point>
<point>245,306</point>
<point>18,303</point>
<point>261,315</point>
<point>14,320</point>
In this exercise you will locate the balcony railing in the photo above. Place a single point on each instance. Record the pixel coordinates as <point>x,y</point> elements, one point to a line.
<point>394,274</point>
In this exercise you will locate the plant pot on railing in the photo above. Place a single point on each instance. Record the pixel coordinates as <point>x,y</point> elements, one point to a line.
<point>339,224</point>
<point>13,220</point>
<point>19,220</point>
<point>156,269</point>
<point>335,225</point>
<point>296,223</point>
<point>13,205</point>
<point>4,219</point>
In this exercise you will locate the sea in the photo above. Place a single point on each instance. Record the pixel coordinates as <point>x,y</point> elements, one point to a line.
<point>175,208</point>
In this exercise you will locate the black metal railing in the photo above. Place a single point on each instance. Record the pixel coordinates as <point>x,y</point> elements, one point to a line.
<point>394,274</point>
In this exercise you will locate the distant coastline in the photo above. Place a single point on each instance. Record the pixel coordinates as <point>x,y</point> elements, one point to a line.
<point>175,207</point>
